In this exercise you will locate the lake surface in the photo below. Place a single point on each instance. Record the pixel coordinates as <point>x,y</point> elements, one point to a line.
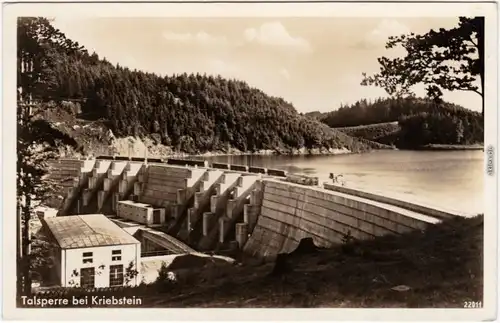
<point>447,180</point>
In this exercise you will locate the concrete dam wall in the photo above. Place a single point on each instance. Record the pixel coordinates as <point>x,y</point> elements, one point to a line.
<point>290,212</point>
<point>193,204</point>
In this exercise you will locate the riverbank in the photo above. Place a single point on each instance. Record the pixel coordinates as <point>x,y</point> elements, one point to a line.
<point>451,147</point>
<point>142,149</point>
<point>269,152</point>
<point>317,152</point>
<point>137,147</point>
<point>167,152</point>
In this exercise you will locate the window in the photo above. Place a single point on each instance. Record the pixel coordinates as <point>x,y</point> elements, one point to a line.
<point>116,275</point>
<point>87,276</point>
<point>116,255</point>
<point>87,258</point>
<point>156,217</point>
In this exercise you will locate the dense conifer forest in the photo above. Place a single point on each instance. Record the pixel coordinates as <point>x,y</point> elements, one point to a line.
<point>421,122</point>
<point>193,113</point>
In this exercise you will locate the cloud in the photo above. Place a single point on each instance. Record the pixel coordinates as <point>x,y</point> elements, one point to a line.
<point>387,28</point>
<point>377,37</point>
<point>285,74</point>
<point>272,34</point>
<point>200,37</point>
<point>223,68</point>
<point>275,34</point>
<point>128,60</point>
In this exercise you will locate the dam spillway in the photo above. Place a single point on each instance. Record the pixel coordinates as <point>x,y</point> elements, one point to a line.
<point>184,205</point>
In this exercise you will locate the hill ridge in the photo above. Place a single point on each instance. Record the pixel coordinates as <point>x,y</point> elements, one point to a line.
<point>191,113</point>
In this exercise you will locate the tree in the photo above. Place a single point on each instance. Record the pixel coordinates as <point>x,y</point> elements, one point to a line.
<point>36,140</point>
<point>212,111</point>
<point>37,143</point>
<point>447,59</point>
<point>39,46</point>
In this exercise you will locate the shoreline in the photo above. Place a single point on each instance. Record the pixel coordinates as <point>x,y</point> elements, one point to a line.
<point>269,152</point>
<point>332,152</point>
<point>297,152</point>
<point>439,147</point>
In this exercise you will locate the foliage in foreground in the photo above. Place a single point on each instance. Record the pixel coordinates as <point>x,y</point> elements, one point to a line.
<point>36,140</point>
<point>447,59</point>
<point>441,266</point>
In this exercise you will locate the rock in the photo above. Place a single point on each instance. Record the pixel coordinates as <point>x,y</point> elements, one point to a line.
<point>110,134</point>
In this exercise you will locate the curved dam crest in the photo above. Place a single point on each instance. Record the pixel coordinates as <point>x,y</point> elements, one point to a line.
<point>291,212</point>
<point>181,206</point>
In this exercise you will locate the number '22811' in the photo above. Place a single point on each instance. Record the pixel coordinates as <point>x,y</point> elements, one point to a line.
<point>470,304</point>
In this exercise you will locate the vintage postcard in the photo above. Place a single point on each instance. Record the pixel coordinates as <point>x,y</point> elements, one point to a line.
<point>310,160</point>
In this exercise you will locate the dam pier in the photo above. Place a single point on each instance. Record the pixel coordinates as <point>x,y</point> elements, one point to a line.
<point>178,207</point>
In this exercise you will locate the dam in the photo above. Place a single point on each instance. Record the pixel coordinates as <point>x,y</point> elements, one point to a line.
<point>181,206</point>
<point>263,211</point>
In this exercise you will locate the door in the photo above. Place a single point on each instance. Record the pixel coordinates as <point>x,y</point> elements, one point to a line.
<point>87,277</point>
<point>156,217</point>
<point>115,275</point>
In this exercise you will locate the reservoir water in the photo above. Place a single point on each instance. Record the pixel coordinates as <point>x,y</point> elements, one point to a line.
<point>447,180</point>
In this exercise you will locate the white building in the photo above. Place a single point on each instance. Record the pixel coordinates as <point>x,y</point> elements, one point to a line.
<point>93,251</point>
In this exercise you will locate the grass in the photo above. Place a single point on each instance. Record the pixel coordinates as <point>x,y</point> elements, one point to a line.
<point>453,147</point>
<point>442,266</point>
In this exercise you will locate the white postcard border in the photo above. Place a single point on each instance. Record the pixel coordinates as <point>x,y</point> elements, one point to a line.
<point>12,11</point>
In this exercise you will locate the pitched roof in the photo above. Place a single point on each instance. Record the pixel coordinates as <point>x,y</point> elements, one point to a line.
<point>88,230</point>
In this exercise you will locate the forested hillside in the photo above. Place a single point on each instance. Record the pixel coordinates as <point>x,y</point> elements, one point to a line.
<point>386,133</point>
<point>191,113</point>
<point>315,114</point>
<point>420,122</point>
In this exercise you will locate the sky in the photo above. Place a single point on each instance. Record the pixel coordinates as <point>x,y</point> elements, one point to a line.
<point>314,63</point>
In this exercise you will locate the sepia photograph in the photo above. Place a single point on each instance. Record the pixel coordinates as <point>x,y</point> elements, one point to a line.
<point>243,160</point>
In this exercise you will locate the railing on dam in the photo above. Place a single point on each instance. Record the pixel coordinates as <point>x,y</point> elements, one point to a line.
<point>202,163</point>
<point>392,201</point>
<point>290,212</point>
